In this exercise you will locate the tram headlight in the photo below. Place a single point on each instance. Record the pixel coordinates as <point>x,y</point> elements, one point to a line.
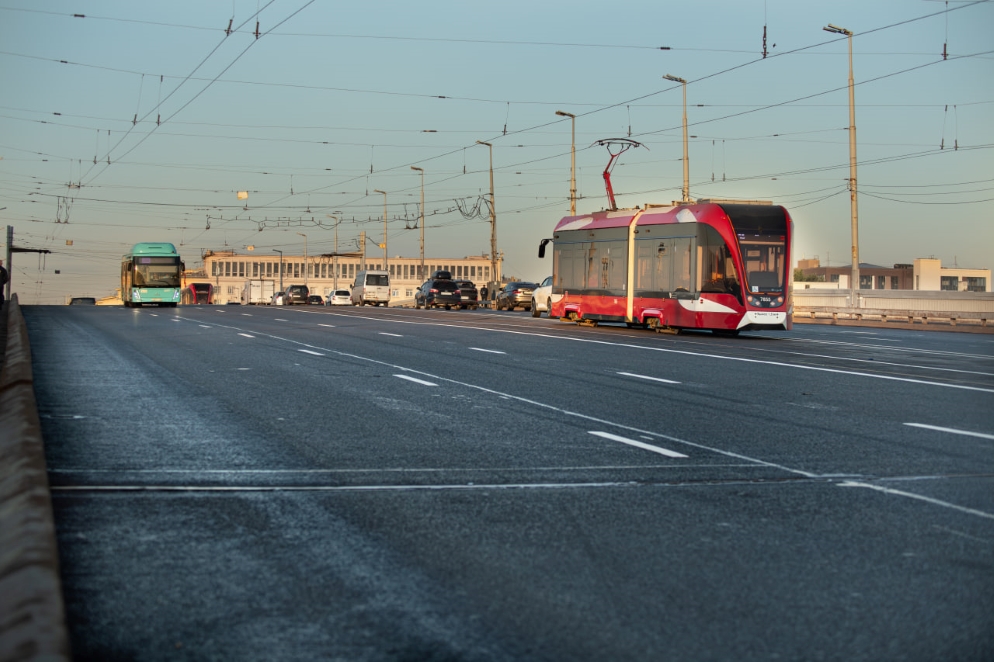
<point>779,299</point>
<point>749,298</point>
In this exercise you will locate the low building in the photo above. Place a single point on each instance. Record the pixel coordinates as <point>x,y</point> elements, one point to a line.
<point>931,275</point>
<point>228,271</point>
<point>923,274</point>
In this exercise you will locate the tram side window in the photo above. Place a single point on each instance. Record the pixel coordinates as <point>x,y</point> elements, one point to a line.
<point>604,266</point>
<point>664,266</point>
<point>717,268</point>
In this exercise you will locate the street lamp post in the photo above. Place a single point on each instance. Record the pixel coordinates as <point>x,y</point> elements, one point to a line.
<point>686,151</point>
<point>422,220</point>
<point>572,162</point>
<point>385,259</point>
<point>493,222</point>
<point>276,250</point>
<point>305,257</point>
<point>854,277</point>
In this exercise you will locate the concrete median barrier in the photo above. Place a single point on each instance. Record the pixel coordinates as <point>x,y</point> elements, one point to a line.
<point>32,618</point>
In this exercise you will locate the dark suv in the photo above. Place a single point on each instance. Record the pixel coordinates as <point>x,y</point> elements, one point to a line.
<point>437,292</point>
<point>296,294</point>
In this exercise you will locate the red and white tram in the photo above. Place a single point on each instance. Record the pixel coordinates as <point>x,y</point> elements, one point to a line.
<point>718,265</point>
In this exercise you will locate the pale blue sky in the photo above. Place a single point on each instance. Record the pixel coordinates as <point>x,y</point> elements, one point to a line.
<point>332,90</point>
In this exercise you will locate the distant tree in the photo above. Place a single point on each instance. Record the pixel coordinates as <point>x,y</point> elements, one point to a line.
<point>801,277</point>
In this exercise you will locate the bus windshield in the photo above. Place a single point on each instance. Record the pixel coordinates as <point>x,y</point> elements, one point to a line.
<point>763,256</point>
<point>157,272</point>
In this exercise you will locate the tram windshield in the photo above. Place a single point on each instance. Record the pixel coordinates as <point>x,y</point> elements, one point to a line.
<point>762,233</point>
<point>764,257</point>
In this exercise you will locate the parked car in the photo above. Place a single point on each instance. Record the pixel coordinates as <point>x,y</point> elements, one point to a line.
<point>315,300</point>
<point>542,298</point>
<point>338,298</point>
<point>296,294</point>
<point>279,298</point>
<point>515,294</point>
<point>468,296</point>
<point>437,292</point>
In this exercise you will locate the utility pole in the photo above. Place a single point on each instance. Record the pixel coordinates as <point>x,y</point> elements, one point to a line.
<point>572,162</point>
<point>12,249</point>
<point>853,207</point>
<point>422,220</point>
<point>306,266</point>
<point>337,223</point>
<point>493,224</point>
<point>276,250</point>
<point>385,259</point>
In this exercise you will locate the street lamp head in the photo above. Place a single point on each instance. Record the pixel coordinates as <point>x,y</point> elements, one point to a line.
<point>835,29</point>
<point>421,170</point>
<point>481,142</point>
<point>563,113</point>
<point>379,191</point>
<point>675,79</point>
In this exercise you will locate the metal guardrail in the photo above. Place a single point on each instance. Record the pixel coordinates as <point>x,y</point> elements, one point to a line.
<point>895,305</point>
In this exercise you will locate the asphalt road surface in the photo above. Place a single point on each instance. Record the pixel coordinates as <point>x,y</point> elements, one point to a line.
<point>272,483</point>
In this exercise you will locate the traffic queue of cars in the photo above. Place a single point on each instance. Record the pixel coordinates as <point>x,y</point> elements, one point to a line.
<point>439,291</point>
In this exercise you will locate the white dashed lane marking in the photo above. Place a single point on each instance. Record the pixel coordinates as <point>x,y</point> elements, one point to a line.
<point>652,379</point>
<point>416,381</point>
<point>638,444</point>
<point>967,433</point>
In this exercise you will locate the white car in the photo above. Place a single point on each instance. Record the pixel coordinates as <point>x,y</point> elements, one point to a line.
<point>338,298</point>
<point>278,299</point>
<point>542,298</point>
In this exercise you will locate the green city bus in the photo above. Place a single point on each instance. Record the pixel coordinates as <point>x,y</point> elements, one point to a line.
<point>150,274</point>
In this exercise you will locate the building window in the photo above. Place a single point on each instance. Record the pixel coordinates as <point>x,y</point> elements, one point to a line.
<point>976,284</point>
<point>881,282</point>
<point>949,283</point>
<point>833,278</point>
<point>865,282</point>
<point>895,282</point>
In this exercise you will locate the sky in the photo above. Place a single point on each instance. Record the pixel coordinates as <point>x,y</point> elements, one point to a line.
<point>123,122</point>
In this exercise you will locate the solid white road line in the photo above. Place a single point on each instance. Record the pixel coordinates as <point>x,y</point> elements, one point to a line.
<point>175,320</point>
<point>330,326</point>
<point>488,351</point>
<point>394,335</point>
<point>910,495</point>
<point>653,379</point>
<point>204,326</point>
<point>415,380</point>
<point>246,335</point>
<point>951,430</point>
<point>638,444</point>
<point>312,353</point>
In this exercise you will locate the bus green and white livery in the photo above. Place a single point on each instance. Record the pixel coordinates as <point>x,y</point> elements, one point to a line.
<point>150,274</point>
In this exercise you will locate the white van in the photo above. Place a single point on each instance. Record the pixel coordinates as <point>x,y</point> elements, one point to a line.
<point>372,287</point>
